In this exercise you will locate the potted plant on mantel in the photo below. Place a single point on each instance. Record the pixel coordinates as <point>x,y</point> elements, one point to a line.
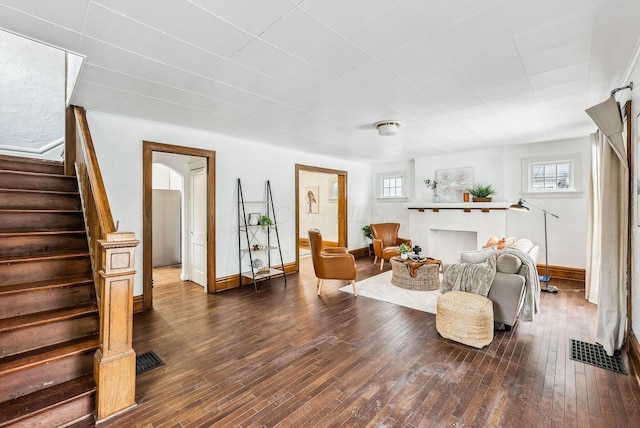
<point>481,193</point>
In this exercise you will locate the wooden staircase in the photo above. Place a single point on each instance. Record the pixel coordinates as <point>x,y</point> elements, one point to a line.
<point>49,323</point>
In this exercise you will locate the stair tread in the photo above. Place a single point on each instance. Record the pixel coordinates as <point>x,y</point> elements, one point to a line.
<point>18,211</point>
<point>48,284</point>
<point>39,174</point>
<point>23,159</point>
<point>47,398</point>
<point>45,317</point>
<point>37,191</point>
<point>44,257</point>
<point>43,232</point>
<point>47,354</point>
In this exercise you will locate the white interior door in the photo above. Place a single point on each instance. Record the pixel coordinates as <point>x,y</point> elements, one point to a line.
<point>198,233</point>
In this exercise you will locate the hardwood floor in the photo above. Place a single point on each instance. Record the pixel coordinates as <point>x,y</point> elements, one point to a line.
<point>284,357</point>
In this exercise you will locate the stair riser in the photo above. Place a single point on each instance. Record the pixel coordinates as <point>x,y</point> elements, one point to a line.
<point>24,245</point>
<point>42,270</point>
<point>18,200</point>
<point>31,302</point>
<point>74,410</point>
<point>11,180</point>
<point>37,336</point>
<point>33,221</point>
<point>8,163</point>
<point>35,378</point>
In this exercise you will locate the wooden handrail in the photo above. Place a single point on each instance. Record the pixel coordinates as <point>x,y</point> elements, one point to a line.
<point>112,260</point>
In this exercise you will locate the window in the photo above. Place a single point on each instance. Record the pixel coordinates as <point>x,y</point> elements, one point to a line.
<point>552,174</point>
<point>392,185</point>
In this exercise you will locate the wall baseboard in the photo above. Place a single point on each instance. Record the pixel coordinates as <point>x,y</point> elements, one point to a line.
<point>634,356</point>
<point>138,304</point>
<point>563,272</point>
<point>304,242</point>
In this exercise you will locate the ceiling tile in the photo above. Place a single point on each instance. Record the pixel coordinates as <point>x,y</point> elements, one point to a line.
<point>346,16</point>
<point>188,57</point>
<point>211,33</point>
<point>387,32</point>
<point>560,56</point>
<point>109,57</point>
<point>559,76</point>
<point>162,15</point>
<point>38,29</point>
<point>101,22</point>
<point>434,16</point>
<point>338,58</point>
<point>310,35</point>
<point>280,65</point>
<point>254,17</point>
<point>71,16</point>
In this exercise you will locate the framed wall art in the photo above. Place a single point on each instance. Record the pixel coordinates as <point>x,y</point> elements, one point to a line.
<point>454,182</point>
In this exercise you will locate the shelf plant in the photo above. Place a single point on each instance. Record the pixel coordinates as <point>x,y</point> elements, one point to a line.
<point>265,221</point>
<point>481,193</point>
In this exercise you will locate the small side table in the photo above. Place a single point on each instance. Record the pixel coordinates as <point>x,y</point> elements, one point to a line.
<point>415,275</point>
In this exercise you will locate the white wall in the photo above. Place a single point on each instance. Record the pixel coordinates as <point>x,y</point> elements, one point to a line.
<point>501,167</point>
<point>327,219</point>
<point>118,144</point>
<point>391,211</point>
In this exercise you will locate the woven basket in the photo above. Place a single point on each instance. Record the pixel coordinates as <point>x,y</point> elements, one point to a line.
<point>465,318</point>
<point>427,276</point>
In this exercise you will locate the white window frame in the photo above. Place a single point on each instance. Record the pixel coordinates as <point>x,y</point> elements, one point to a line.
<point>575,175</point>
<point>392,174</point>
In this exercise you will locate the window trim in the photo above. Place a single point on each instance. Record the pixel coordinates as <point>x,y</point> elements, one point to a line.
<point>575,160</point>
<point>381,176</point>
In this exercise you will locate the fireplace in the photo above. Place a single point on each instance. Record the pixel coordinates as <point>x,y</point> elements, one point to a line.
<point>444,230</point>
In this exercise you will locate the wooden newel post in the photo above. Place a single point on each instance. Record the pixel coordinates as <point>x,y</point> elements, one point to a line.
<point>114,364</point>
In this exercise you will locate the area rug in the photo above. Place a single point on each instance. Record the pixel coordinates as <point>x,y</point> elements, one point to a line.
<point>379,287</point>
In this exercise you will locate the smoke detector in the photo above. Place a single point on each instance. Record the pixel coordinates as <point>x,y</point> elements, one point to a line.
<point>387,127</point>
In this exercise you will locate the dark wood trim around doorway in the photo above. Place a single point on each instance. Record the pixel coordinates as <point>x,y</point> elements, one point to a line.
<point>148,147</point>
<point>342,204</point>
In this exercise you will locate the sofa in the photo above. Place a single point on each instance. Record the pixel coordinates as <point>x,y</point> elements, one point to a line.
<point>507,289</point>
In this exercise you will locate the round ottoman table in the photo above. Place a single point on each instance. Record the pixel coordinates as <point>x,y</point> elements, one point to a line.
<point>425,276</point>
<point>466,318</point>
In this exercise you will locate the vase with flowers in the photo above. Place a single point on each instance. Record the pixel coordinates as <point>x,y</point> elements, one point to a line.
<point>433,184</point>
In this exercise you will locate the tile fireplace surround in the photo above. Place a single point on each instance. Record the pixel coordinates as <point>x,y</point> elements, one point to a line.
<point>443,230</point>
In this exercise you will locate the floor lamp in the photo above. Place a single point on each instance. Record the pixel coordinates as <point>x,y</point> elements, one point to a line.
<point>520,206</point>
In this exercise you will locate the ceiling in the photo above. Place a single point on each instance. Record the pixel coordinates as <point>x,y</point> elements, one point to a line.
<point>314,75</point>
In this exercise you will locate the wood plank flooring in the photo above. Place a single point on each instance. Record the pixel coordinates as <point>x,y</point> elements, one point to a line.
<point>284,357</point>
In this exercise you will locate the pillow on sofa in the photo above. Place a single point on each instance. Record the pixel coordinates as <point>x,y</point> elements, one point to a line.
<point>508,263</point>
<point>501,243</point>
<point>477,256</point>
<point>523,244</point>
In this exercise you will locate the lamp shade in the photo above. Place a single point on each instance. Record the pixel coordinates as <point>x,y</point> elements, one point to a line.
<point>519,206</point>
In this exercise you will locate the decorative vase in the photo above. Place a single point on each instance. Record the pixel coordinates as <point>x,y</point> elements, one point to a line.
<point>435,198</point>
<point>254,219</point>
<point>404,256</point>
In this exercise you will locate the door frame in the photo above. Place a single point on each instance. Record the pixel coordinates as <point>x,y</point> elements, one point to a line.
<point>342,204</point>
<point>148,147</point>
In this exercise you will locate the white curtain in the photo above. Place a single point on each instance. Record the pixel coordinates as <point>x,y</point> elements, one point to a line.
<point>607,246</point>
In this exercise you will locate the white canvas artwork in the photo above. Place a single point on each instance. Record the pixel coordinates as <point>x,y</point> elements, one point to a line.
<point>454,182</point>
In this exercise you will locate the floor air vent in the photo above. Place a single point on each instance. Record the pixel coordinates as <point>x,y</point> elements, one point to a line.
<point>147,361</point>
<point>596,356</point>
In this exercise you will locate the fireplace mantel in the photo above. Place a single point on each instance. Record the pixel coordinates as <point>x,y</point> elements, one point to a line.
<point>436,226</point>
<point>465,206</point>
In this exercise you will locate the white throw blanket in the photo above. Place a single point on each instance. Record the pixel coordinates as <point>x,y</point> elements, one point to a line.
<point>470,277</point>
